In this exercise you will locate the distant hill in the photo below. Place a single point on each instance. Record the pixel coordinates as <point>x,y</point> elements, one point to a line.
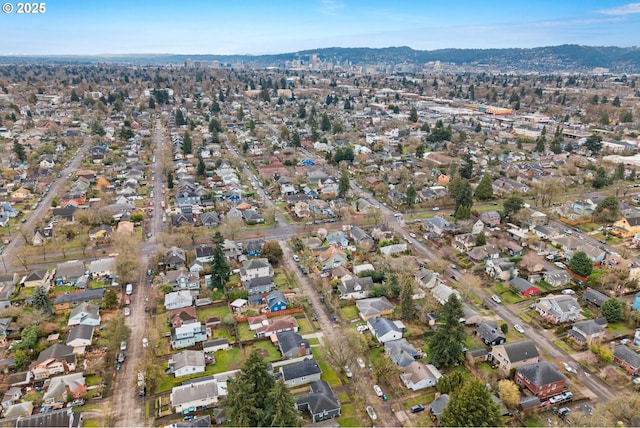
<point>564,58</point>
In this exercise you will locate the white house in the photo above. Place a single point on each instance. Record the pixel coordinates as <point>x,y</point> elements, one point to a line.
<point>383,329</point>
<point>197,395</point>
<point>418,376</point>
<point>178,299</point>
<point>187,363</point>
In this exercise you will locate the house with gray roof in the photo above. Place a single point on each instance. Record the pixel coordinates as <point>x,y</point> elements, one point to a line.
<point>61,388</point>
<point>401,352</point>
<point>292,345</point>
<point>594,297</point>
<point>490,334</point>
<point>513,355</point>
<point>588,332</point>
<point>355,288</point>
<point>383,329</point>
<point>427,278</point>
<point>56,359</point>
<point>437,406</point>
<point>627,358</point>
<point>174,258</point>
<point>542,379</point>
<point>178,299</point>
<point>321,402</point>
<point>558,308</point>
<point>68,300</point>
<point>557,277</point>
<point>85,314</point>
<point>8,283</point>
<point>186,363</point>
<point>374,306</point>
<point>524,287</point>
<point>360,237</point>
<point>102,267</point>
<point>438,226</point>
<point>301,373</point>
<point>199,394</point>
<point>70,271</point>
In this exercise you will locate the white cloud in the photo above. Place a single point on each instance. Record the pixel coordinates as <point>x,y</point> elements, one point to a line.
<point>627,9</point>
<point>331,7</point>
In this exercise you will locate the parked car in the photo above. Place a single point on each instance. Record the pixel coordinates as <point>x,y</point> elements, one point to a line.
<point>296,258</point>
<point>360,362</point>
<point>372,413</point>
<point>413,235</point>
<point>121,357</point>
<point>568,291</point>
<point>127,311</point>
<point>417,408</point>
<point>496,299</point>
<point>362,328</point>
<point>348,372</point>
<point>123,346</point>
<point>378,390</point>
<point>145,342</point>
<point>518,328</point>
<point>560,265</point>
<point>564,411</point>
<point>636,381</point>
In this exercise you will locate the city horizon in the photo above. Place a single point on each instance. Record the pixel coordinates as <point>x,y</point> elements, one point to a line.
<point>255,28</point>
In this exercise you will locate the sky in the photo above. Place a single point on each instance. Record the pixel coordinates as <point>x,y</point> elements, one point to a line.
<point>227,27</point>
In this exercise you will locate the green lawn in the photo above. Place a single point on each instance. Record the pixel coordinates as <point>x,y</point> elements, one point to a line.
<point>219,333</point>
<point>219,311</point>
<point>94,380</point>
<point>243,331</point>
<point>619,328</point>
<point>303,326</point>
<point>228,360</point>
<point>314,341</point>
<point>560,344</point>
<point>349,312</point>
<point>424,398</point>
<point>273,354</point>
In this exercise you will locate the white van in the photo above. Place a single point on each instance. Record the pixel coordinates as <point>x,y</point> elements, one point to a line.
<point>129,289</point>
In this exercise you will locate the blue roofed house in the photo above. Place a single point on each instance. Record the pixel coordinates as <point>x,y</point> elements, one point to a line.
<point>338,239</point>
<point>276,301</point>
<point>384,330</point>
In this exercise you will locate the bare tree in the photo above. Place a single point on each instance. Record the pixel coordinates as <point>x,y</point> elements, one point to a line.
<point>128,260</point>
<point>232,227</point>
<point>22,255</point>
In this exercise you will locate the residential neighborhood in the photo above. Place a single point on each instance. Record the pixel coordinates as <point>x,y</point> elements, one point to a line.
<point>370,240</point>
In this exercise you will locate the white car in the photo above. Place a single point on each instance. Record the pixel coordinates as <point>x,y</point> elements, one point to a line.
<point>568,291</point>
<point>145,342</point>
<point>378,390</point>
<point>127,311</point>
<point>518,328</point>
<point>413,235</point>
<point>296,258</point>
<point>636,381</point>
<point>362,328</point>
<point>560,265</point>
<point>348,372</point>
<point>435,209</point>
<point>123,346</point>
<point>360,362</point>
<point>556,399</point>
<point>372,413</point>
<point>496,299</point>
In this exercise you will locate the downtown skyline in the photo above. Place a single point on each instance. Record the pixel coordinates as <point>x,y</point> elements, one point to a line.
<point>259,27</point>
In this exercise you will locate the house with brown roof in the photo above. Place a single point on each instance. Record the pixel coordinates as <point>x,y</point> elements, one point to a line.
<point>274,325</point>
<point>182,316</point>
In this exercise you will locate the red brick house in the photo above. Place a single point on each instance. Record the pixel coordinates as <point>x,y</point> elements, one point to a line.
<point>542,379</point>
<point>627,358</point>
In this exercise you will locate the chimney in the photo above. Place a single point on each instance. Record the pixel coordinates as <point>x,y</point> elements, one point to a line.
<point>303,349</point>
<point>436,396</point>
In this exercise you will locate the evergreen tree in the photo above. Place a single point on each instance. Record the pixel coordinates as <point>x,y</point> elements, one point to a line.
<point>406,299</point>
<point>283,406</point>
<point>613,310</point>
<point>325,123</point>
<point>343,183</point>
<point>471,406</point>
<point>170,180</point>
<point>446,344</point>
<point>512,205</point>
<point>41,300</point>
<point>601,178</point>
<point>594,143</point>
<point>556,145</point>
<point>201,170</point>
<point>411,196</point>
<point>420,151</point>
<point>581,264</point>
<point>413,115</point>
<point>180,120</point>
<point>466,170</point>
<point>249,400</point>
<point>19,151</point>
<point>187,143</point>
<point>484,191</point>
<point>295,139</point>
<point>481,239</point>
<point>540,144</point>
<point>464,202</point>
<point>219,268</point>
